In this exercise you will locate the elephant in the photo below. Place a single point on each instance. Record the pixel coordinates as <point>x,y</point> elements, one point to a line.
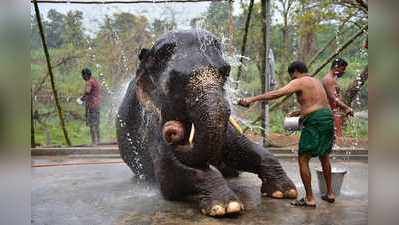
<point>173,127</point>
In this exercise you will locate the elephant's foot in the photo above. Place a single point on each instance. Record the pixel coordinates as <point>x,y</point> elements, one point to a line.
<point>218,209</point>
<point>220,203</point>
<point>272,191</point>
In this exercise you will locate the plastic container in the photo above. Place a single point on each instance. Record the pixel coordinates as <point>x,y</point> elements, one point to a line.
<point>337,180</point>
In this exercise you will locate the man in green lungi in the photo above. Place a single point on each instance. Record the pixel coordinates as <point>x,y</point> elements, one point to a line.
<point>317,134</point>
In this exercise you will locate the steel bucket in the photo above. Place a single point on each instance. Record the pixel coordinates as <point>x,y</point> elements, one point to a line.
<point>337,177</point>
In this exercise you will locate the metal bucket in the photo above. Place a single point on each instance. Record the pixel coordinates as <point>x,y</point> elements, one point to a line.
<point>337,177</point>
<point>292,123</point>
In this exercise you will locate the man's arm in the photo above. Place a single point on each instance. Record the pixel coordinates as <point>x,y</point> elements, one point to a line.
<point>87,91</point>
<point>330,87</point>
<point>290,88</point>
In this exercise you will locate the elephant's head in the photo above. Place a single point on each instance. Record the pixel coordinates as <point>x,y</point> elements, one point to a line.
<point>182,77</point>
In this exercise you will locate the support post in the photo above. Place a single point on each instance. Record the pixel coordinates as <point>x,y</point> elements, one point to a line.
<point>244,40</point>
<point>46,53</point>
<point>267,30</point>
<point>231,28</point>
<point>32,123</point>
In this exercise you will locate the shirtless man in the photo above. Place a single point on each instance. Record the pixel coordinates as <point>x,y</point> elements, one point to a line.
<point>317,133</point>
<point>339,108</point>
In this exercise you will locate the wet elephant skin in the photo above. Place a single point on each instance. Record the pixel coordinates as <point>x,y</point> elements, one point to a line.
<point>179,85</point>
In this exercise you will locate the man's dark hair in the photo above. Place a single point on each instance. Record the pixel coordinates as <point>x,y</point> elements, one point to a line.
<point>86,72</point>
<point>297,66</point>
<point>338,62</point>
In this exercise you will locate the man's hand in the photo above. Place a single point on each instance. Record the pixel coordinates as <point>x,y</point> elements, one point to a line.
<point>244,102</point>
<point>349,111</point>
<point>294,113</point>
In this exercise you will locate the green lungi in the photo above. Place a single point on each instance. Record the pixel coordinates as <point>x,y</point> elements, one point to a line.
<point>317,134</point>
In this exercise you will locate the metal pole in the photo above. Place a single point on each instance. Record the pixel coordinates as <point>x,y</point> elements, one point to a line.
<point>266,29</point>
<point>46,53</point>
<point>267,67</point>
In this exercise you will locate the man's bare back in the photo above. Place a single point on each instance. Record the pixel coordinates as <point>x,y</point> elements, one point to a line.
<point>311,95</point>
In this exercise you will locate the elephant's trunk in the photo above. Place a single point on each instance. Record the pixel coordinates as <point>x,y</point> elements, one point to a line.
<point>209,112</point>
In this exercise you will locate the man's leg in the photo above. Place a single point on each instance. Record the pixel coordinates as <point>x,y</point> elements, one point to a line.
<point>304,170</point>
<point>96,131</point>
<point>92,134</point>
<point>326,165</point>
<point>97,126</point>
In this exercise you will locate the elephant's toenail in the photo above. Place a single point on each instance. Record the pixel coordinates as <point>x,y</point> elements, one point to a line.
<point>278,194</point>
<point>292,193</point>
<point>217,210</point>
<point>233,207</point>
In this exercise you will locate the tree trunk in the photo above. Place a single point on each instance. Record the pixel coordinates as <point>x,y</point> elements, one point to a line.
<point>356,86</point>
<point>285,57</point>
<point>307,44</point>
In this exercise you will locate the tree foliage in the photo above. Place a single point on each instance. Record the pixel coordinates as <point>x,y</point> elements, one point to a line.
<point>300,28</point>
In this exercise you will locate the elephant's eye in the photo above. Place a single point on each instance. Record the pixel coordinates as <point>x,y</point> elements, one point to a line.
<point>225,70</point>
<point>217,45</point>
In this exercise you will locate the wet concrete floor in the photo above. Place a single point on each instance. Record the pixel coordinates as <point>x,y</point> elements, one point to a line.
<point>107,194</point>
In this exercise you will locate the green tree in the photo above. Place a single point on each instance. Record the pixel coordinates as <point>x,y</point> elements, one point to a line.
<point>73,28</point>
<point>35,35</point>
<point>217,17</point>
<point>160,27</point>
<point>118,43</point>
<point>55,29</point>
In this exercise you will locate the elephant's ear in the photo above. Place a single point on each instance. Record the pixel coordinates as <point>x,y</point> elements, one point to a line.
<point>144,53</point>
<point>165,51</point>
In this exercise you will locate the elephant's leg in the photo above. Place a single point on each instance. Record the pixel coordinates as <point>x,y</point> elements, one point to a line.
<point>227,171</point>
<point>178,181</point>
<point>242,154</point>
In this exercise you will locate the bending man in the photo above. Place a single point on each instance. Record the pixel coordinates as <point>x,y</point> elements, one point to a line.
<point>318,128</point>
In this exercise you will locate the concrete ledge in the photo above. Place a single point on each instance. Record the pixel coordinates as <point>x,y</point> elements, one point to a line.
<point>112,152</point>
<point>74,150</point>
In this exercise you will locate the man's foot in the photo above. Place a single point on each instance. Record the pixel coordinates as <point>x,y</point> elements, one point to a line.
<point>303,203</point>
<point>328,198</point>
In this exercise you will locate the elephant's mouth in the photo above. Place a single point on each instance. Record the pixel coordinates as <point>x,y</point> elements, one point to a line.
<point>199,138</point>
<point>174,133</point>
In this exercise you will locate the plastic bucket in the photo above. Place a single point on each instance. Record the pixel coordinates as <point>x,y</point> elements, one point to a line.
<point>337,177</point>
